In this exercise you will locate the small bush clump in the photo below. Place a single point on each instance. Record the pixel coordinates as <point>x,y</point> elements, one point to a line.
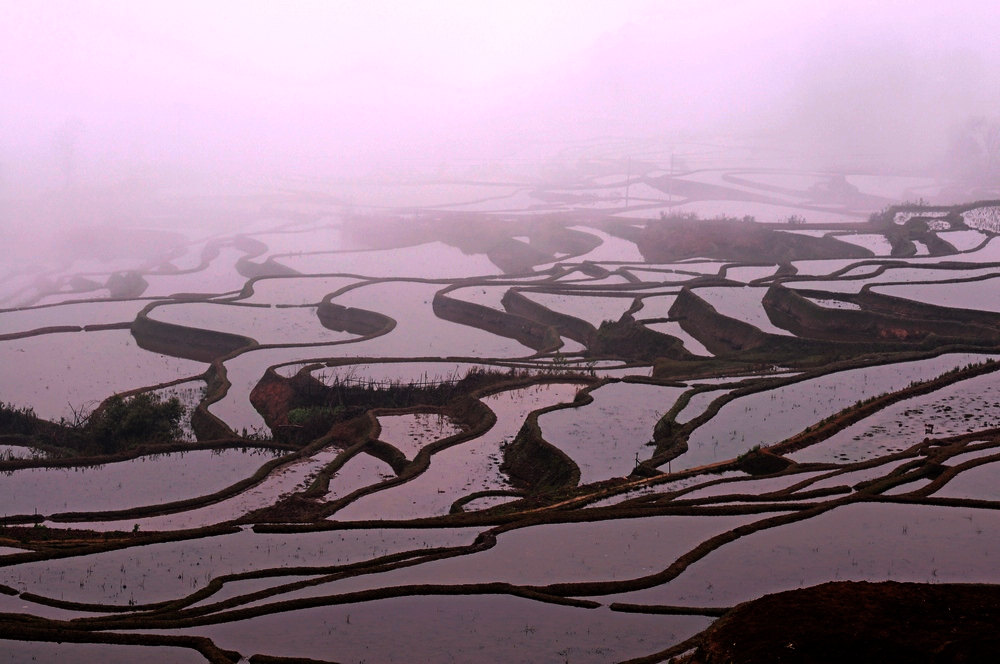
<point>17,420</point>
<point>124,423</point>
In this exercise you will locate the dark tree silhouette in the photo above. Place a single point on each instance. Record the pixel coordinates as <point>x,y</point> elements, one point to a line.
<point>974,151</point>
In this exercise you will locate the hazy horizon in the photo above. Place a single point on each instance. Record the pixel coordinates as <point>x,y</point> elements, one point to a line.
<point>234,92</point>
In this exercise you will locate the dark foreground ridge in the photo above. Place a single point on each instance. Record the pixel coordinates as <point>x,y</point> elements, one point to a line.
<point>859,622</point>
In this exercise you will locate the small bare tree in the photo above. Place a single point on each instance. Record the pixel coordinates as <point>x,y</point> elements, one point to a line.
<point>974,151</point>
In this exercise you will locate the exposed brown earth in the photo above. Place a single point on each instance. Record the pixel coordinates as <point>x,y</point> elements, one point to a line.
<point>859,622</point>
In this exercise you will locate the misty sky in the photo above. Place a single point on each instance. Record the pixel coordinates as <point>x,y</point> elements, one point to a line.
<point>348,88</point>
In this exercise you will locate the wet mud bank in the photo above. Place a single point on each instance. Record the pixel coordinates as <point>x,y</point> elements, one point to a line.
<point>532,334</point>
<point>858,622</point>
<point>190,343</point>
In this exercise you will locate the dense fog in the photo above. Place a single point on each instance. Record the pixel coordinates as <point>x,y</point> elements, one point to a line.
<point>257,96</point>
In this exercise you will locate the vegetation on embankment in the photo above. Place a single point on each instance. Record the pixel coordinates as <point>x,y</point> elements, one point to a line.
<point>301,408</point>
<point>631,341</point>
<point>346,412</point>
<point>677,238</point>
<point>862,409</point>
<point>117,425</point>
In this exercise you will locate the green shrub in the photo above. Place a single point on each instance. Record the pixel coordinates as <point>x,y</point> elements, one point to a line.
<point>124,423</point>
<point>17,420</point>
<point>299,416</point>
<point>310,422</point>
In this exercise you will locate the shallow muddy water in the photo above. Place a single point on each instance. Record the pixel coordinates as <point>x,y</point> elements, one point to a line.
<point>743,304</point>
<point>464,468</point>
<point>60,375</point>
<point>410,433</point>
<point>771,416</point>
<point>172,570</point>
<point>864,542</point>
<point>483,628</point>
<point>144,481</point>
<point>81,314</point>
<point>963,407</point>
<point>606,437</point>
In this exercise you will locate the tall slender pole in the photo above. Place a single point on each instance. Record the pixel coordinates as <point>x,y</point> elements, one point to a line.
<point>628,180</point>
<point>670,190</point>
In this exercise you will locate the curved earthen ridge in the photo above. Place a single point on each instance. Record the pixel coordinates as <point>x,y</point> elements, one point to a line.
<point>190,343</point>
<point>542,338</point>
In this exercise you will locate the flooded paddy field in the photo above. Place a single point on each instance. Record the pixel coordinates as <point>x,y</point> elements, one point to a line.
<point>401,463</point>
<point>410,304</point>
<point>80,653</point>
<point>265,324</point>
<point>173,570</point>
<point>743,304</point>
<point>482,628</point>
<point>591,308</point>
<point>771,416</point>
<point>295,290</point>
<point>675,330</point>
<point>865,542</point>
<point>462,469</point>
<point>410,433</point>
<point>963,407</point>
<point>143,481</point>
<point>75,315</point>
<point>602,440</point>
<point>981,294</point>
<point>219,275</point>
<point>434,260</point>
<point>61,374</point>
<point>244,372</point>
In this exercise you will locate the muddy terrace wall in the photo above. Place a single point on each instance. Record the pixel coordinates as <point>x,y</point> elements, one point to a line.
<point>569,326</point>
<point>190,343</point>
<point>677,239</point>
<point>719,334</point>
<point>895,319</point>
<point>528,332</point>
<point>349,319</point>
<point>533,463</point>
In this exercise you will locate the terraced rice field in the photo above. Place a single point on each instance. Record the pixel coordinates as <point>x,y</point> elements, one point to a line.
<point>401,469</point>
